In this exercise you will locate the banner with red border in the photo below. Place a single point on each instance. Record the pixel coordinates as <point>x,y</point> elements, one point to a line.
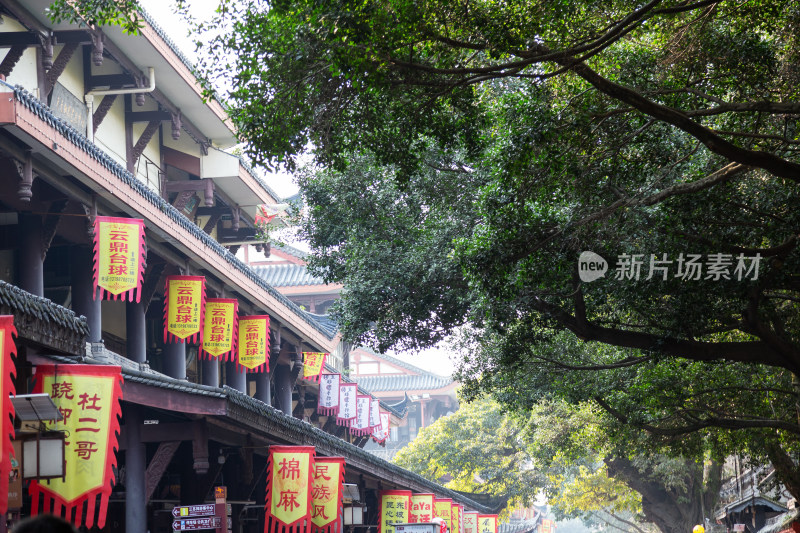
<point>184,303</point>
<point>289,481</point>
<point>119,258</point>
<point>8,371</point>
<point>220,332</point>
<point>326,494</point>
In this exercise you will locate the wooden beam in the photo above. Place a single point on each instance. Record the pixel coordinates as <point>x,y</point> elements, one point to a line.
<point>58,67</point>
<point>153,278</point>
<point>18,38</point>
<point>109,80</point>
<point>50,224</point>
<point>158,465</point>
<point>148,116</point>
<point>102,110</point>
<point>140,145</point>
<point>11,59</point>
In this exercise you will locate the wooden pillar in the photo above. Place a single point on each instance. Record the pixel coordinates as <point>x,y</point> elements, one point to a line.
<point>83,301</point>
<point>210,369</point>
<point>135,467</point>
<point>283,389</point>
<point>175,360</point>
<point>235,379</point>
<point>136,331</point>
<point>31,262</point>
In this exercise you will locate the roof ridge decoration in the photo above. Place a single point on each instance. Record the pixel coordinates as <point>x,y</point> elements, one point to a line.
<point>41,110</point>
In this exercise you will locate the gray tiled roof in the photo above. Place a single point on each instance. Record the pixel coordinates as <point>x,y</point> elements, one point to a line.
<point>397,362</point>
<point>402,382</point>
<point>41,308</point>
<point>287,275</point>
<point>518,526</point>
<point>41,110</point>
<point>325,322</point>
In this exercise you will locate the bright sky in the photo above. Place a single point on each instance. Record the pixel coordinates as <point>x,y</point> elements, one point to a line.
<point>163,12</point>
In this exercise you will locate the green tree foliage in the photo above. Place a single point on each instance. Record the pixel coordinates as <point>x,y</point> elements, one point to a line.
<point>564,453</point>
<point>123,13</point>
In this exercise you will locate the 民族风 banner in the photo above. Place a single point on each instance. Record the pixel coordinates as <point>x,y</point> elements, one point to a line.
<point>88,397</point>
<point>289,481</point>
<point>254,343</point>
<point>8,371</point>
<point>313,363</point>
<point>326,494</point>
<point>348,405</point>
<point>443,508</point>
<point>421,508</point>
<point>395,505</point>
<point>328,403</point>
<point>220,329</point>
<point>119,258</point>
<point>470,521</point>
<point>360,425</point>
<point>184,303</point>
<point>487,523</point>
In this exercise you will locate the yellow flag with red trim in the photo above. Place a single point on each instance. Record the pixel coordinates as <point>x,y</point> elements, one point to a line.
<point>395,506</point>
<point>289,480</point>
<point>326,494</point>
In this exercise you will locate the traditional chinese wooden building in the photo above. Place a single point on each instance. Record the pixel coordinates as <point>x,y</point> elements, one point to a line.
<point>97,123</point>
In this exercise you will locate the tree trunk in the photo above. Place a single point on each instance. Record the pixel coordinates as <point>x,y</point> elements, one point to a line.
<point>671,511</point>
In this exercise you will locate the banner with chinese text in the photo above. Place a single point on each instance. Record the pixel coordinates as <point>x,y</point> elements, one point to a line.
<point>487,523</point>
<point>421,508</point>
<point>220,329</point>
<point>395,505</point>
<point>313,363</point>
<point>470,522</point>
<point>8,371</point>
<point>184,302</point>
<point>326,494</point>
<point>254,343</point>
<point>119,258</point>
<point>348,408</point>
<point>360,425</point>
<point>289,480</point>
<point>381,432</point>
<point>455,518</point>
<point>88,397</point>
<point>443,509</point>
<point>328,403</point>
<point>548,526</point>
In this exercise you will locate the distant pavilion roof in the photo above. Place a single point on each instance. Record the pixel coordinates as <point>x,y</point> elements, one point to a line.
<point>287,275</point>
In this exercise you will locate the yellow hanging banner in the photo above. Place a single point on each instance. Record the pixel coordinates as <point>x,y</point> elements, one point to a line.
<point>313,363</point>
<point>326,493</point>
<point>254,343</point>
<point>219,328</point>
<point>88,397</point>
<point>183,308</point>
<point>395,505</point>
<point>470,522</point>
<point>455,518</point>
<point>443,509</point>
<point>487,523</point>
<point>119,257</point>
<point>289,480</point>
<point>421,507</point>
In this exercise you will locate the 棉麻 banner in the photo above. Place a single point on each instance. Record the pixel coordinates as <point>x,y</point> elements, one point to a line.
<point>119,258</point>
<point>421,508</point>
<point>395,505</point>
<point>183,308</point>
<point>88,397</point>
<point>326,494</point>
<point>219,328</point>
<point>289,481</point>
<point>254,343</point>
<point>8,372</point>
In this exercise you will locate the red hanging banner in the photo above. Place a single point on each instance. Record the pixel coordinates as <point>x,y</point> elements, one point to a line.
<point>184,303</point>
<point>254,343</point>
<point>421,508</point>
<point>8,372</point>
<point>88,397</point>
<point>326,494</point>
<point>328,403</point>
<point>289,481</point>
<point>220,329</point>
<point>395,505</point>
<point>313,363</point>
<point>119,258</point>
<point>360,425</point>
<point>348,407</point>
<point>487,523</point>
